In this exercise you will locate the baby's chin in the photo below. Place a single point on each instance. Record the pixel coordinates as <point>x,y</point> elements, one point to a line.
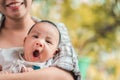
<point>34,59</point>
<point>37,59</point>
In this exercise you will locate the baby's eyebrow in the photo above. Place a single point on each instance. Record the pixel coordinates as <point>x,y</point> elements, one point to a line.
<point>37,32</point>
<point>49,37</point>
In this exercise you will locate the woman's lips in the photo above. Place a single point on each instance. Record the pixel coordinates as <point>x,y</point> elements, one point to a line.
<point>15,5</point>
<point>36,53</point>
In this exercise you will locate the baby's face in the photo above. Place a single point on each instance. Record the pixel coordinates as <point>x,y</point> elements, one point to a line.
<point>41,43</point>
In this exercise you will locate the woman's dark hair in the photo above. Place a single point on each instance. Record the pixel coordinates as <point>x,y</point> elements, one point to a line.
<point>2,21</point>
<point>47,21</point>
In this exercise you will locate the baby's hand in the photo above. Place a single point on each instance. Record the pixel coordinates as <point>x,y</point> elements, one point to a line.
<point>26,69</point>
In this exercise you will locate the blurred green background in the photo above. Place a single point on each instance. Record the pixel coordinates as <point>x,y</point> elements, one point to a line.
<point>94,29</point>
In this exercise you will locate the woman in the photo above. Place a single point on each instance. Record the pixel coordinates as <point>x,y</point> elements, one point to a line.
<point>14,27</point>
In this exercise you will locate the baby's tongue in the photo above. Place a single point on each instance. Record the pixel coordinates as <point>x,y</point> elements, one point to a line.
<point>36,53</point>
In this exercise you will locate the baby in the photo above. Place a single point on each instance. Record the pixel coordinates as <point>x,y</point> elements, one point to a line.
<point>40,47</point>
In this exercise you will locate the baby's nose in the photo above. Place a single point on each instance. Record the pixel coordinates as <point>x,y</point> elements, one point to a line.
<point>39,43</point>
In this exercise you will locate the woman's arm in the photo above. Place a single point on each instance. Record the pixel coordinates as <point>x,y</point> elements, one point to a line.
<point>51,73</point>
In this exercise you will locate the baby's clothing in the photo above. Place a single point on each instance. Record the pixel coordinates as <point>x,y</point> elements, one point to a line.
<point>12,61</point>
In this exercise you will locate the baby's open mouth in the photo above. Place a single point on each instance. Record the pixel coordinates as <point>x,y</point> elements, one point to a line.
<point>36,53</point>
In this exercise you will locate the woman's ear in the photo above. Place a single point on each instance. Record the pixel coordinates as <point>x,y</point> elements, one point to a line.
<point>57,51</point>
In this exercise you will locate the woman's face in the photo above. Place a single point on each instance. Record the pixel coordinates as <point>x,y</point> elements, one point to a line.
<point>15,8</point>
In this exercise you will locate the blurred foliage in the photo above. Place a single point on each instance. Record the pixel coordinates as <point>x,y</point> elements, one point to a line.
<point>94,28</point>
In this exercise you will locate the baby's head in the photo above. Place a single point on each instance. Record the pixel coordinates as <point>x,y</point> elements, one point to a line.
<point>42,42</point>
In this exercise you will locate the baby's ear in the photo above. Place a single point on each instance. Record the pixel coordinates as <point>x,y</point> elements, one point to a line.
<point>0,68</point>
<point>57,51</point>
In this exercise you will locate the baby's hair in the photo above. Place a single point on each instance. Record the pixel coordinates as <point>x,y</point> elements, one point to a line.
<point>47,21</point>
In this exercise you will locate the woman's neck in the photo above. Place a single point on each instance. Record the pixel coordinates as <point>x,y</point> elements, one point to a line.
<point>13,32</point>
<point>24,23</point>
